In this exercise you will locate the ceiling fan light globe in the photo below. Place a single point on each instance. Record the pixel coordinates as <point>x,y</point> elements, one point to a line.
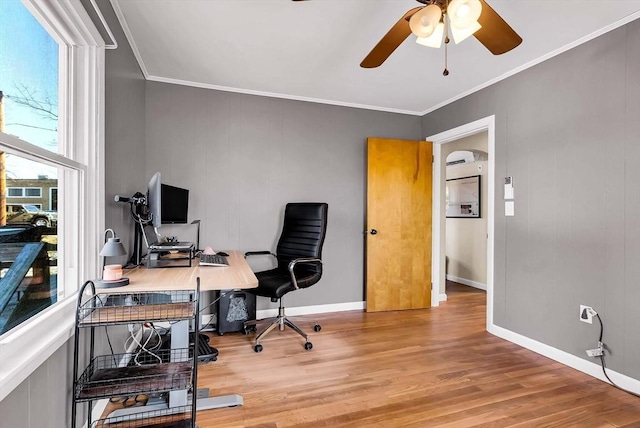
<point>424,22</point>
<point>464,13</point>
<point>459,34</point>
<point>435,39</point>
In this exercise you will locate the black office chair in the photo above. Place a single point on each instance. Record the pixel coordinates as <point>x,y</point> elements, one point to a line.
<point>299,256</point>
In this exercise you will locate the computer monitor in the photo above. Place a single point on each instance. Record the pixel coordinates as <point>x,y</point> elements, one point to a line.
<point>167,204</point>
<point>154,199</point>
<point>175,204</point>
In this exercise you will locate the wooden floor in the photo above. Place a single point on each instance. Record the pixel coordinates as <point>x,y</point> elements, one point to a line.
<point>421,368</point>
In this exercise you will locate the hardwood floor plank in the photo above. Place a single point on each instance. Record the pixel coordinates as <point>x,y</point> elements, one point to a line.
<point>418,368</point>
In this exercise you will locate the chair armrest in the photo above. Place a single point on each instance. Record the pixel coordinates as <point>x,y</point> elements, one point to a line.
<point>258,253</point>
<point>292,265</point>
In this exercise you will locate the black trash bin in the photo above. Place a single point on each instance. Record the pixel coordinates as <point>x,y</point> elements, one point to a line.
<point>233,309</point>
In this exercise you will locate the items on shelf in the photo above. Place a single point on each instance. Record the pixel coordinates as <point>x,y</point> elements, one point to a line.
<point>151,372</point>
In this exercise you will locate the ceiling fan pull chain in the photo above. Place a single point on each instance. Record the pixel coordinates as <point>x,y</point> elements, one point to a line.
<point>445,18</point>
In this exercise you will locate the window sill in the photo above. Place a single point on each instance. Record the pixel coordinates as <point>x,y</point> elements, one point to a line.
<point>26,347</point>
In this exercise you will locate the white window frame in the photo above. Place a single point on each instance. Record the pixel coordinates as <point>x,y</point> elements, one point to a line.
<point>81,203</point>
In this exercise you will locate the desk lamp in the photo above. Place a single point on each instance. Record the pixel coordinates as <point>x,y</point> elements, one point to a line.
<point>111,274</point>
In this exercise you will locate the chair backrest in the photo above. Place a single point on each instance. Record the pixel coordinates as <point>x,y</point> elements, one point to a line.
<point>303,232</point>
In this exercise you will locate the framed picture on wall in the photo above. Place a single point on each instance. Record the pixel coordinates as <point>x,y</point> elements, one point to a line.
<point>463,197</point>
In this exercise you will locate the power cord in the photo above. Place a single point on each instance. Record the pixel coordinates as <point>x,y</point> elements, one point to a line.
<point>602,363</point>
<point>142,348</point>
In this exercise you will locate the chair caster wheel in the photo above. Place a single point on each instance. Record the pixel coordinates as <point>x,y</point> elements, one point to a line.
<point>308,345</point>
<point>257,348</point>
<point>317,327</point>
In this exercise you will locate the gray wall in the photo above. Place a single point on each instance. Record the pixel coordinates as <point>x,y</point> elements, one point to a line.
<point>124,131</point>
<point>44,398</point>
<point>243,157</point>
<point>568,131</point>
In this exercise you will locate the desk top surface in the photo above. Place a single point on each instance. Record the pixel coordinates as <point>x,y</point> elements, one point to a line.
<point>237,275</point>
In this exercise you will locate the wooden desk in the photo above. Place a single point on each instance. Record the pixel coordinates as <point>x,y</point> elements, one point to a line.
<point>238,275</point>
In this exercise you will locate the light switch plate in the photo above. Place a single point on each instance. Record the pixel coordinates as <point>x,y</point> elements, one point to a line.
<point>509,208</point>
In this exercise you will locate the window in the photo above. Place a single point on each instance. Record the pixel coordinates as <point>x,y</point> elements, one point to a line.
<point>51,78</point>
<point>24,192</point>
<point>33,192</point>
<point>29,84</point>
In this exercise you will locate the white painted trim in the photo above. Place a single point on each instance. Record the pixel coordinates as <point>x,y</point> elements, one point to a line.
<point>127,32</point>
<point>435,225</point>
<point>277,95</point>
<point>81,205</point>
<point>468,282</point>
<point>442,297</point>
<point>485,124</point>
<point>585,366</point>
<point>16,146</point>
<point>311,310</point>
<point>537,61</point>
<point>105,25</point>
<point>31,343</point>
<point>97,410</point>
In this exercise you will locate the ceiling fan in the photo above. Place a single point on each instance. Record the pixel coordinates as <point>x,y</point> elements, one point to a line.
<point>437,19</point>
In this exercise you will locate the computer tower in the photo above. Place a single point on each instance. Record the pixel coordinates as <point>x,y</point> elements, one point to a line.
<point>233,309</point>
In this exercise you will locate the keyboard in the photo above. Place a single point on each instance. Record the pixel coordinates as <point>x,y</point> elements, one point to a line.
<point>213,260</point>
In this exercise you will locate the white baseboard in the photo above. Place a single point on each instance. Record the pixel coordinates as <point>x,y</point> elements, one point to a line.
<point>310,310</point>
<point>468,282</point>
<point>442,297</point>
<point>588,367</point>
<point>97,410</point>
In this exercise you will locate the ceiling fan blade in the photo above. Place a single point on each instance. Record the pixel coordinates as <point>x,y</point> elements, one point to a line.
<point>385,47</point>
<point>495,34</point>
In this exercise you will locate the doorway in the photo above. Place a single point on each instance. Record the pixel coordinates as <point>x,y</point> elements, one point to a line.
<point>438,263</point>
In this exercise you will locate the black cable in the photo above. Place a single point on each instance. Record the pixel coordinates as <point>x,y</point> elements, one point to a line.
<point>208,306</point>
<point>106,331</point>
<point>604,367</point>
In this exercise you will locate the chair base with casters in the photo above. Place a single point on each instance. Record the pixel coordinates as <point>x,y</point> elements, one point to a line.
<point>280,321</point>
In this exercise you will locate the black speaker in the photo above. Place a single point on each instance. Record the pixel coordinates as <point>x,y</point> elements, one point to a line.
<point>233,309</point>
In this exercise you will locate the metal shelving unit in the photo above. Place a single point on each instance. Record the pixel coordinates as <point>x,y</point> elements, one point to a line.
<point>118,375</point>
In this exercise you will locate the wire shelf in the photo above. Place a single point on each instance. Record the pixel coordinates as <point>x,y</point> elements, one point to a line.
<point>124,308</point>
<point>176,417</point>
<point>105,377</point>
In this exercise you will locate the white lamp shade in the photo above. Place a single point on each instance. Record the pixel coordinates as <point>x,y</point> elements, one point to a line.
<point>424,22</point>
<point>464,13</point>
<point>459,34</point>
<point>435,39</point>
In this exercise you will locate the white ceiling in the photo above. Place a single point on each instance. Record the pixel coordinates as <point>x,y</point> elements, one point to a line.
<point>312,50</point>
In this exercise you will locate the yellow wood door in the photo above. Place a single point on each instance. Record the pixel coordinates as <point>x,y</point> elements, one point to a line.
<point>398,243</point>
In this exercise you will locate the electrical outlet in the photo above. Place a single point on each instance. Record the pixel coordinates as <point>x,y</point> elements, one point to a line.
<point>586,314</point>
<point>595,352</point>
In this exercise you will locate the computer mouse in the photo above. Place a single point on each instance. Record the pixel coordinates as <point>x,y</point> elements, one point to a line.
<point>223,254</point>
